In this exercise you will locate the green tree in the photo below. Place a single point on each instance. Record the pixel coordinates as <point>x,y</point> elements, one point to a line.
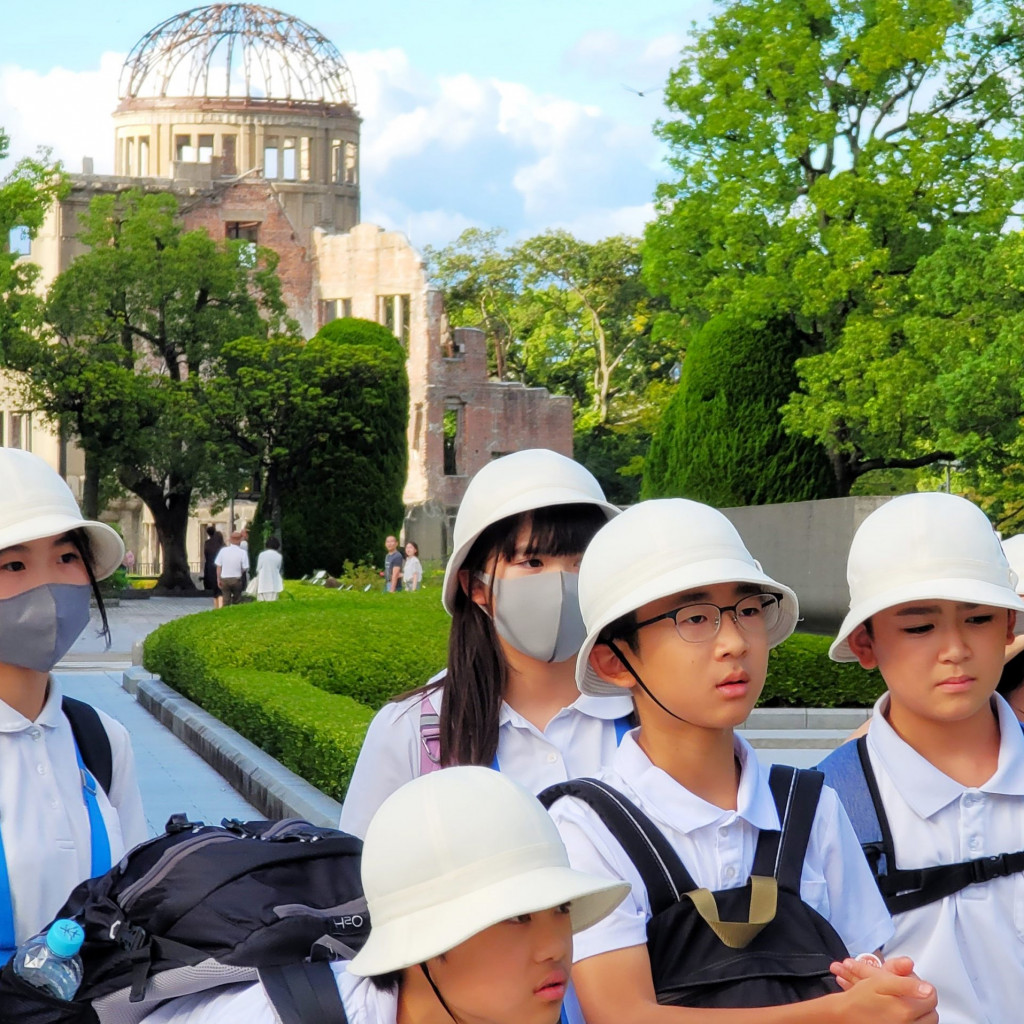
<point>26,193</point>
<point>139,321</point>
<point>721,439</point>
<point>822,149</point>
<point>324,423</point>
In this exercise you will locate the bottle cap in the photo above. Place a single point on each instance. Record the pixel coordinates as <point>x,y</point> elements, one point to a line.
<point>65,937</point>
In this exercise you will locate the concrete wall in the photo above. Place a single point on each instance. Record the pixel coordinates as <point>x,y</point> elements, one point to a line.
<point>804,544</point>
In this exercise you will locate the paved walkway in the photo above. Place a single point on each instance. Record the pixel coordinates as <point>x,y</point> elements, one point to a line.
<point>171,776</point>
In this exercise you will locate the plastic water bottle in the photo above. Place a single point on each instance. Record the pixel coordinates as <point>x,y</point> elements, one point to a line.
<point>50,960</point>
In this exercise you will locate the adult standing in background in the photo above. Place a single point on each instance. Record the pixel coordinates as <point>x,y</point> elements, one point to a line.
<point>213,543</point>
<point>393,563</point>
<point>232,563</point>
<point>269,581</point>
<point>412,571</point>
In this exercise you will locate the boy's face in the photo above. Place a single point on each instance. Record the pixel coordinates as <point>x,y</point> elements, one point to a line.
<point>941,660</point>
<point>515,972</point>
<point>712,684</point>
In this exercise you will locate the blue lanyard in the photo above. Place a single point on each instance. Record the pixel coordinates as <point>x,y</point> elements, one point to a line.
<point>99,854</point>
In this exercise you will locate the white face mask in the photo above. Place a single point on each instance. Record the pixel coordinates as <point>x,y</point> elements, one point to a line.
<point>539,615</point>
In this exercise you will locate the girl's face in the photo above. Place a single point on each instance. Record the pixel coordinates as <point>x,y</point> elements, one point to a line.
<point>515,972</point>
<point>410,550</point>
<point>38,562</point>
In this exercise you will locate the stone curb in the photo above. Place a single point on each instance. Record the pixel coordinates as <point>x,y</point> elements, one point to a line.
<point>266,783</point>
<point>807,718</point>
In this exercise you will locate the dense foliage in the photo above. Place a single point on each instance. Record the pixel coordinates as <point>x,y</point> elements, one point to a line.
<point>857,167</point>
<point>721,439</point>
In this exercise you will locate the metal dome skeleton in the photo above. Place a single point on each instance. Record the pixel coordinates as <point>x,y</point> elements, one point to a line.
<point>243,51</point>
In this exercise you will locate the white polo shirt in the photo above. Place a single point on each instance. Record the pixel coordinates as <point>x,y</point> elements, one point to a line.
<point>248,1004</point>
<point>233,561</point>
<point>717,847</point>
<point>969,945</point>
<point>43,819</point>
<point>578,741</point>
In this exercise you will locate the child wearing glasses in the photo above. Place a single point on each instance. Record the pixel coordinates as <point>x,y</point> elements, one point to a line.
<point>680,616</point>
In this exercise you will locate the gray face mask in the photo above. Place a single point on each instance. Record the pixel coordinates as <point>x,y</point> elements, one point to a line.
<point>38,627</point>
<point>539,615</point>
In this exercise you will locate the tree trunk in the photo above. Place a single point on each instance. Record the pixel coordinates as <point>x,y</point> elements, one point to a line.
<point>845,472</point>
<point>273,502</point>
<point>170,516</point>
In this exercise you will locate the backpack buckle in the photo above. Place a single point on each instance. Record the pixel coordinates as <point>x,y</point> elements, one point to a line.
<point>987,868</point>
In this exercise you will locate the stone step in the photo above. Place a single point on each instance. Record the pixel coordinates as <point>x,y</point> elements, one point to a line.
<point>807,718</point>
<point>795,739</point>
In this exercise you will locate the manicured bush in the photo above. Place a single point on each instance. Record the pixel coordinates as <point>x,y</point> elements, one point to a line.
<point>801,674</point>
<point>721,439</point>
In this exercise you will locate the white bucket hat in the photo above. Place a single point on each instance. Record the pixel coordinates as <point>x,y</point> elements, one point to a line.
<point>35,502</point>
<point>928,546</point>
<point>1013,548</point>
<point>655,549</point>
<point>454,852</point>
<point>520,482</point>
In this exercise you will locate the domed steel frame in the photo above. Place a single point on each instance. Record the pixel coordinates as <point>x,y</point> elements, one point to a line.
<point>271,55</point>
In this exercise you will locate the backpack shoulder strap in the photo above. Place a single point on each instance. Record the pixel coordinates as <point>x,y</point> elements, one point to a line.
<point>303,993</point>
<point>92,740</point>
<point>664,875</point>
<point>780,854</point>
<point>848,771</point>
<point>430,737</point>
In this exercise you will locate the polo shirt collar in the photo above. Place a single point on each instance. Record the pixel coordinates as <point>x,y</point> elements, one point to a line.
<point>674,806</point>
<point>49,717</point>
<point>605,708</point>
<point>930,790</point>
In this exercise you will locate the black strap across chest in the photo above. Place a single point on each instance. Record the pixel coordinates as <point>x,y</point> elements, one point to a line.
<point>91,738</point>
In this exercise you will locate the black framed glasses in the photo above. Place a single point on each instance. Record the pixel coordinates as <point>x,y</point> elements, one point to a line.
<point>695,623</point>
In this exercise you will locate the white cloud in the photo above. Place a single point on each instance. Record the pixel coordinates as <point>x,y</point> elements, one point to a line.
<point>66,110</point>
<point>639,64</point>
<point>439,153</point>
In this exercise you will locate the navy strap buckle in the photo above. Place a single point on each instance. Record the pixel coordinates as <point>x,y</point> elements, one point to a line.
<point>987,868</point>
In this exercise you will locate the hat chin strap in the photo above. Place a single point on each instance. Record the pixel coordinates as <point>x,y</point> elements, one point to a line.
<point>440,998</point>
<point>643,686</point>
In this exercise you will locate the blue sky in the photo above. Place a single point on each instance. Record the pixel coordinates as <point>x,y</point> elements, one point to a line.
<point>475,113</point>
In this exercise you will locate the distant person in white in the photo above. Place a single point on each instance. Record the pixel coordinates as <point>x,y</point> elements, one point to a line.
<point>232,564</point>
<point>473,907</point>
<point>269,581</point>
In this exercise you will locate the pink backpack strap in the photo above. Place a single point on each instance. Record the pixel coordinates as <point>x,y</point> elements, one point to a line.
<point>430,737</point>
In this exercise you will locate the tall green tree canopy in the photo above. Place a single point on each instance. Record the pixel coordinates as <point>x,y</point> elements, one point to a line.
<point>822,150</point>
<point>324,423</point>
<point>574,317</point>
<point>138,323</point>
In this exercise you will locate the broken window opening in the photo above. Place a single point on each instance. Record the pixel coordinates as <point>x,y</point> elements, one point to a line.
<point>288,160</point>
<point>19,431</point>
<point>183,150</point>
<point>451,425</point>
<point>247,232</point>
<point>129,156</point>
<point>19,241</point>
<point>337,161</point>
<point>393,311</point>
<point>143,156</point>
<point>270,159</point>
<point>205,148</point>
<point>351,173</point>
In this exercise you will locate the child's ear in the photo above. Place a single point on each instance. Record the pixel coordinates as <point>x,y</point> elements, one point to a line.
<point>1011,625</point>
<point>473,587</point>
<point>608,665</point>
<point>863,647</point>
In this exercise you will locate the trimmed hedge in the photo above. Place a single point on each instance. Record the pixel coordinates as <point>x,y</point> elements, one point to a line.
<point>801,674</point>
<point>302,677</point>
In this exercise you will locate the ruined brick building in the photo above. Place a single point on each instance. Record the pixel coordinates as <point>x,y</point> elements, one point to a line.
<point>249,117</point>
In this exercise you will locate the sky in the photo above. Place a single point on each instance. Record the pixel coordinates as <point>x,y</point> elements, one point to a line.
<point>525,116</point>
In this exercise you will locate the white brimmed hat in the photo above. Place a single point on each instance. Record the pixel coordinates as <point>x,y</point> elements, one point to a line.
<point>35,502</point>
<point>928,546</point>
<point>520,482</point>
<point>1013,548</point>
<point>456,851</point>
<point>655,549</point>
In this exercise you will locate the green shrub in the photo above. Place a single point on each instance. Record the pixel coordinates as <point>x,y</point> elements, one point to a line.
<point>801,674</point>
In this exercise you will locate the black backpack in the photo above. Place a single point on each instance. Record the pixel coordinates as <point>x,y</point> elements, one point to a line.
<point>203,906</point>
<point>848,771</point>
<point>758,945</point>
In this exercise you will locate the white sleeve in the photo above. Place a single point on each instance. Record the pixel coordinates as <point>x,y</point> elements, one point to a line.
<point>836,863</point>
<point>592,849</point>
<point>389,758</point>
<point>125,797</point>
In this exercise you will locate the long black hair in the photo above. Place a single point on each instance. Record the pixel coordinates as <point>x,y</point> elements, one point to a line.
<point>477,672</point>
<point>80,538</point>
